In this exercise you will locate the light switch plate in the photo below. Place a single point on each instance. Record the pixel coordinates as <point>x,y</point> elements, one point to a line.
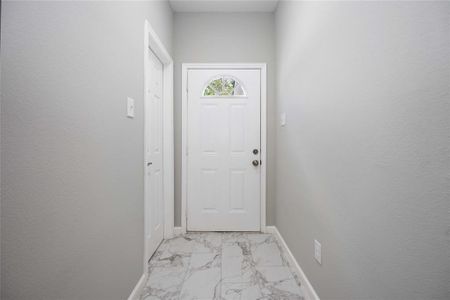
<point>130,107</point>
<point>283,119</point>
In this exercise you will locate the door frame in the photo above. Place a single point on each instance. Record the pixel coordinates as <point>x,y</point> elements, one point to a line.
<point>153,43</point>
<point>263,114</point>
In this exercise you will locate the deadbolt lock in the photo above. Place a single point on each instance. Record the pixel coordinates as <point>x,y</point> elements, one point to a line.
<point>255,151</point>
<point>255,162</point>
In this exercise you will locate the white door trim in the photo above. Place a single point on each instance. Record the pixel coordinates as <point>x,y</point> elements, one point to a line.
<point>152,41</point>
<point>191,66</point>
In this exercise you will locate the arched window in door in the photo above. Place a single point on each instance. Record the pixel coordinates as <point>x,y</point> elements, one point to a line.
<point>224,86</point>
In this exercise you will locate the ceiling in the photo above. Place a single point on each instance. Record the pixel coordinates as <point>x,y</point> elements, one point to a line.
<point>223,5</point>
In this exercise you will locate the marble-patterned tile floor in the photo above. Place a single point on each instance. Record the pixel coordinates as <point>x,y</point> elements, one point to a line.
<point>222,266</point>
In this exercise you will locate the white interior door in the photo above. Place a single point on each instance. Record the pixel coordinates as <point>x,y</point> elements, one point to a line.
<point>154,205</point>
<point>223,155</point>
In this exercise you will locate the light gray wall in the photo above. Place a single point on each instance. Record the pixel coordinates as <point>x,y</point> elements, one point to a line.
<point>0,147</point>
<point>225,38</point>
<point>72,171</point>
<point>363,162</point>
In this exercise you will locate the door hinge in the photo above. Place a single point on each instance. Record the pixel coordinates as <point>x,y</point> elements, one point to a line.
<point>187,84</point>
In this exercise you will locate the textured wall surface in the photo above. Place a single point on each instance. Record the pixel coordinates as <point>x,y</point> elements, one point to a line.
<point>225,38</point>
<point>363,162</point>
<point>72,171</point>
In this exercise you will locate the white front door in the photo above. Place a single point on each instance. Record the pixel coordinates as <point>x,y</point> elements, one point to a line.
<point>223,155</point>
<point>154,205</point>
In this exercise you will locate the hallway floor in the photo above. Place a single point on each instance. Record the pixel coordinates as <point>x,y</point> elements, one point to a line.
<point>221,266</point>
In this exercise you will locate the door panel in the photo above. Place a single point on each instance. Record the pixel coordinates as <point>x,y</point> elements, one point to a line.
<point>208,127</point>
<point>237,191</point>
<point>154,204</point>
<point>237,128</point>
<point>223,187</point>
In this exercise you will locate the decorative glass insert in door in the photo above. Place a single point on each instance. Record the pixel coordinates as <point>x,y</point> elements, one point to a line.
<point>224,86</point>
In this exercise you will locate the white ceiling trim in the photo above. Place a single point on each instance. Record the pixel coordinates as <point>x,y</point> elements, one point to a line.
<point>223,5</point>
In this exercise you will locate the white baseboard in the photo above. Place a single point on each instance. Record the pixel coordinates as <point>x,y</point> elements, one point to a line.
<point>177,231</point>
<point>310,293</point>
<point>136,293</point>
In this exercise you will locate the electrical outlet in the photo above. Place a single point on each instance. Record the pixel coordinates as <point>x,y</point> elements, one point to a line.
<point>317,251</point>
<point>130,107</point>
<point>283,119</point>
